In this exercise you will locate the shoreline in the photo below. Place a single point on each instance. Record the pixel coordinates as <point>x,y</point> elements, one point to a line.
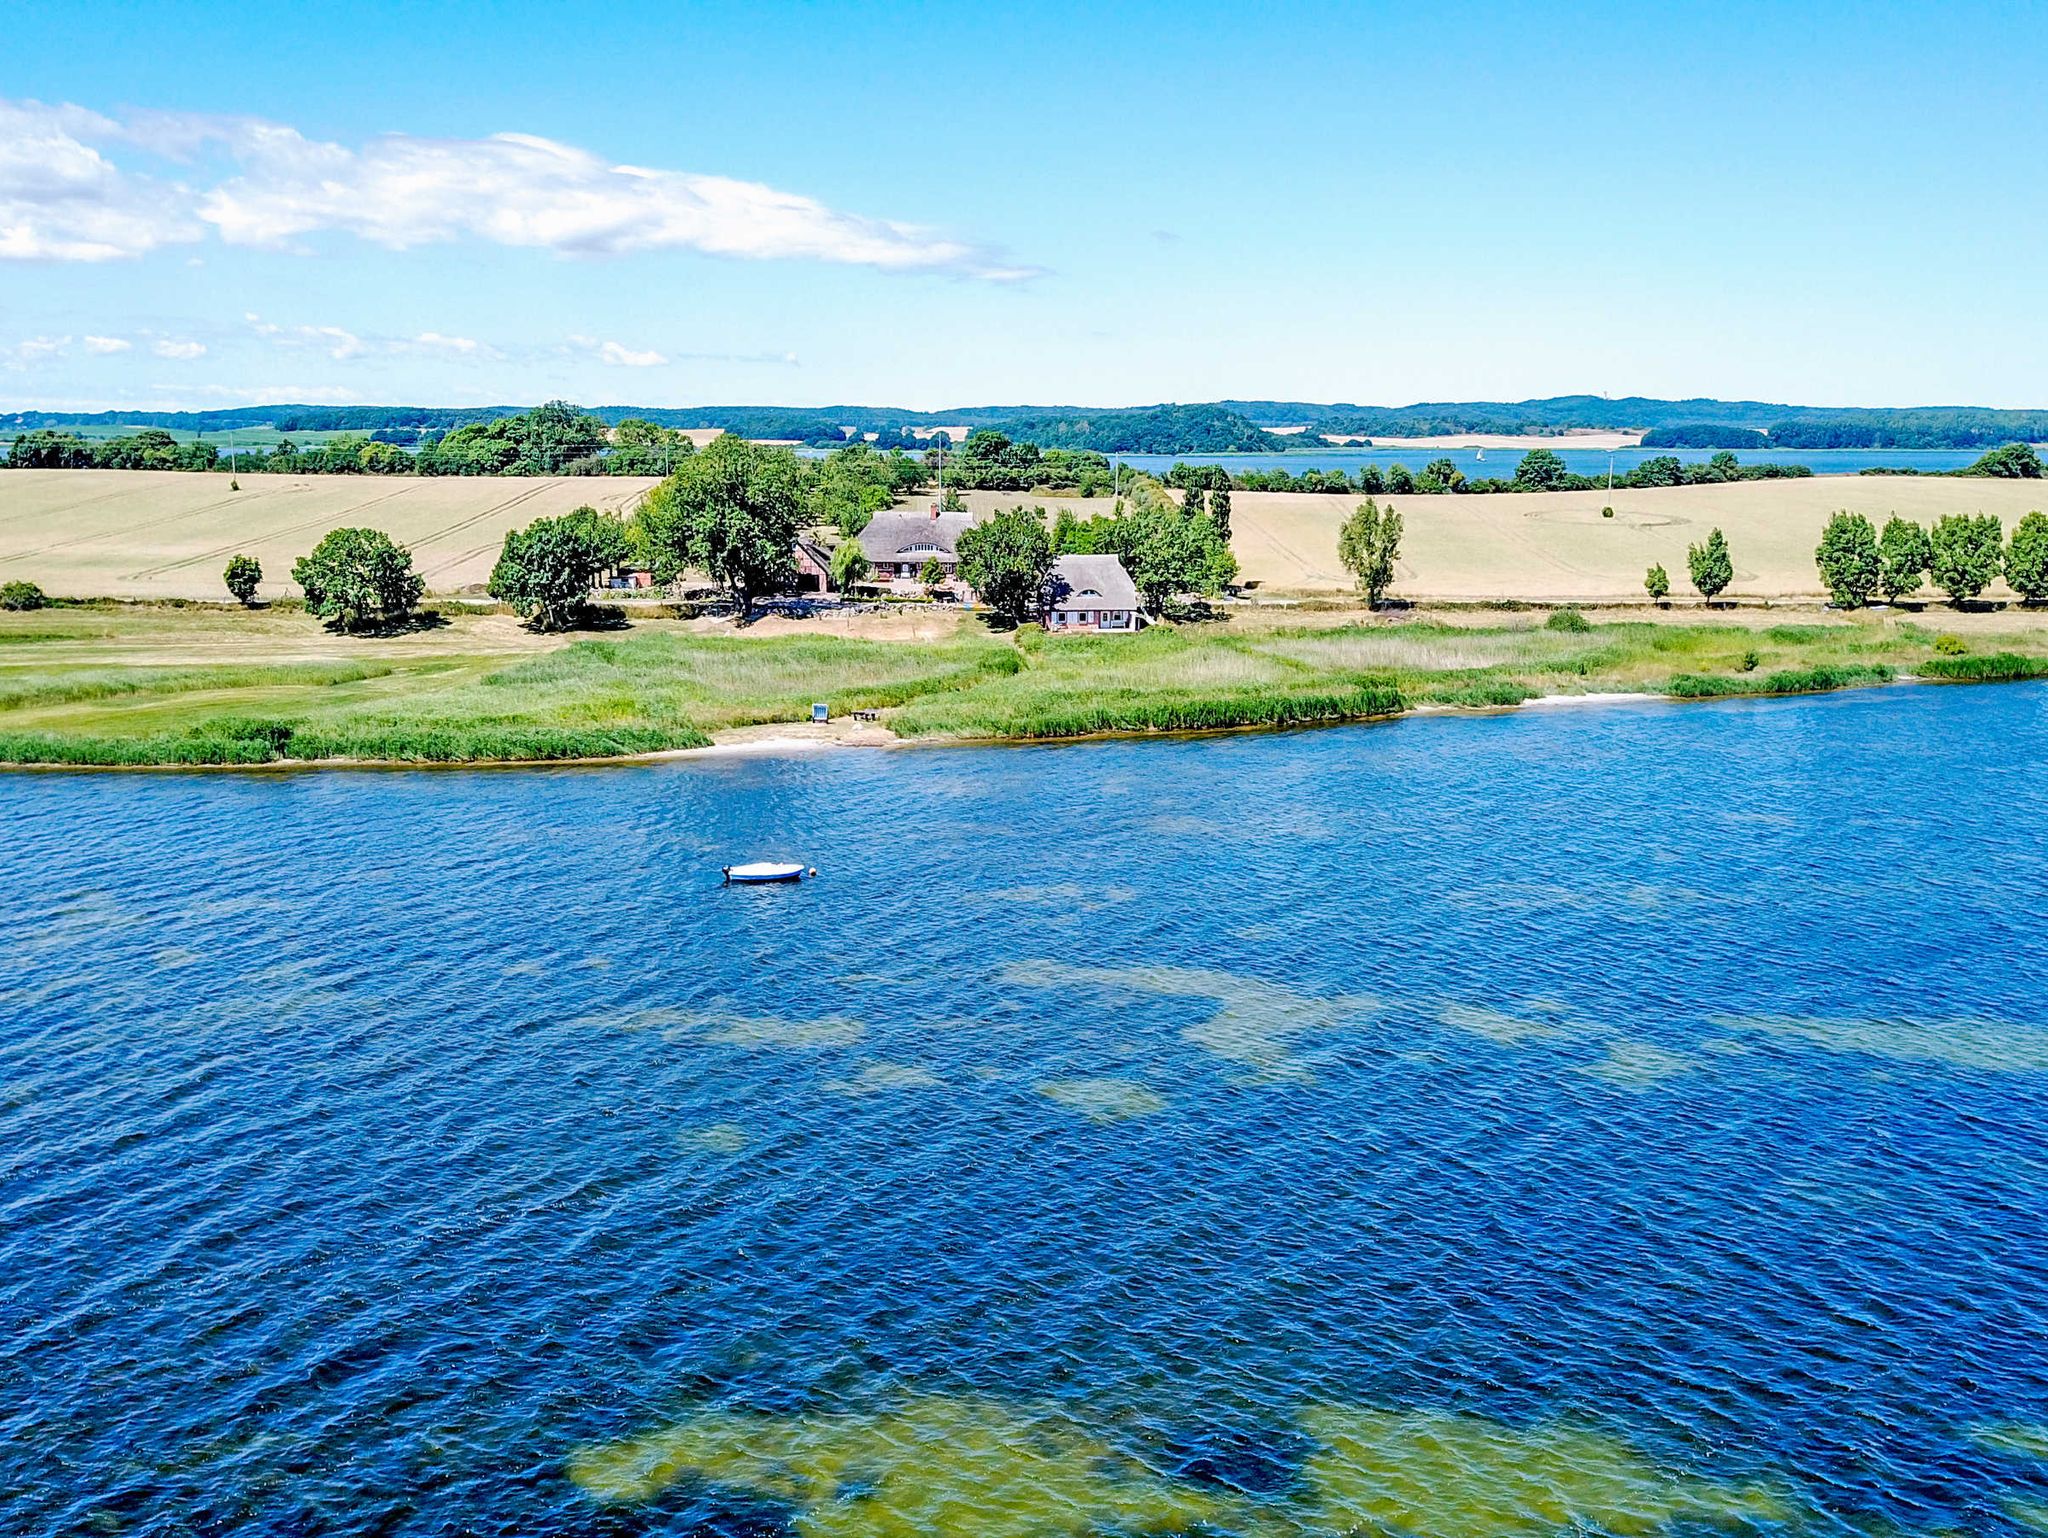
<point>778,744</point>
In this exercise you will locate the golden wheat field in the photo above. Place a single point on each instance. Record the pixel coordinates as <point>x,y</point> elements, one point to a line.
<point>167,534</point>
<point>1556,546</point>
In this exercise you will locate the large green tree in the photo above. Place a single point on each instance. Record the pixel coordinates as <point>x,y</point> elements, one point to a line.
<point>1170,551</point>
<point>2015,461</point>
<point>730,511</point>
<point>546,569</point>
<point>2026,558</point>
<point>1965,553</point>
<point>1541,470</point>
<point>1005,560</point>
<point>1903,557</point>
<point>1369,544</point>
<point>1711,566</point>
<point>358,577</point>
<point>1848,560</point>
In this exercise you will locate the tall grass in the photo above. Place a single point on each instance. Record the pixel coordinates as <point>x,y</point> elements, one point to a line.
<point>651,689</point>
<point>1820,679</point>
<point>1997,667</point>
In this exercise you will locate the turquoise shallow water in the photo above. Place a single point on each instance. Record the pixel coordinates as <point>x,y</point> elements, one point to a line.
<point>1622,1119</point>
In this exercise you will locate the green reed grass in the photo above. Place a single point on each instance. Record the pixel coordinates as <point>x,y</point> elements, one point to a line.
<point>654,688</point>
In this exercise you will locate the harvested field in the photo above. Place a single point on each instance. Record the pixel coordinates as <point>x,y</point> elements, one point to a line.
<point>167,533</point>
<point>1556,547</point>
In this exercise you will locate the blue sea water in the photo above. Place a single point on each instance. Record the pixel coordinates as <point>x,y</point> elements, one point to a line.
<point>1500,463</point>
<point>1621,1118</point>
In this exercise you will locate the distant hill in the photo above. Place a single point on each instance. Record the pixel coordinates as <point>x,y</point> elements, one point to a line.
<point>1214,427</point>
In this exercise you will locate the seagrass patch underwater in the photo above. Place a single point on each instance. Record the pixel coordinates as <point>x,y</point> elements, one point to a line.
<point>1622,1120</point>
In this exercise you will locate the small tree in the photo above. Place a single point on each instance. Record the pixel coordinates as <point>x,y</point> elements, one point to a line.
<point>358,576</point>
<point>546,569</point>
<point>2026,558</point>
<point>21,596</point>
<point>932,575</point>
<point>1965,553</point>
<point>241,577</point>
<point>1848,560</point>
<point>1369,544</point>
<point>1657,582</point>
<point>1903,556</point>
<point>1712,567</point>
<point>1005,560</point>
<point>850,566</point>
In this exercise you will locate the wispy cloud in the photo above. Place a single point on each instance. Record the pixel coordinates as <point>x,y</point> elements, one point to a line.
<point>69,192</point>
<point>108,345</point>
<point>338,343</point>
<point>627,357</point>
<point>178,351</point>
<point>454,346</point>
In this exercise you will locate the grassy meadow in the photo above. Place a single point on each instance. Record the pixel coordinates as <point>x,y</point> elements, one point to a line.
<point>135,685</point>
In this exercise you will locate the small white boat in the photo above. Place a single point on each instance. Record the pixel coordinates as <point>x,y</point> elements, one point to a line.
<point>761,871</point>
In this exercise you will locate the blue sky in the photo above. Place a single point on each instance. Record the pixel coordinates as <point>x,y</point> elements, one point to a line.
<point>931,205</point>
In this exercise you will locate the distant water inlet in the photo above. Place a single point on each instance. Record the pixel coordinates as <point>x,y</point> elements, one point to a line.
<point>1623,1120</point>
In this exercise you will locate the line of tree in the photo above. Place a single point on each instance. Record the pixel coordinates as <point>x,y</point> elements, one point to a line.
<point>1963,554</point>
<point>1538,470</point>
<point>553,439</point>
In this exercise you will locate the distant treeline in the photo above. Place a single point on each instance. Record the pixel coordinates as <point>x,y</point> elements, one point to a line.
<point>1216,427</point>
<point>554,439</point>
<point>1934,428</point>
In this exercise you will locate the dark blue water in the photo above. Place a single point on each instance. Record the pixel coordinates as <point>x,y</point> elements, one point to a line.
<point>1627,1118</point>
<point>1500,463</point>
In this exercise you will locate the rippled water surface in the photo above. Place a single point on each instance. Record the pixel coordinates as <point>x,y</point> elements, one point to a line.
<point>1625,1120</point>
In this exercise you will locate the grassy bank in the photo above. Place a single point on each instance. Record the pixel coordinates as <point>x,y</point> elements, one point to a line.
<point>183,687</point>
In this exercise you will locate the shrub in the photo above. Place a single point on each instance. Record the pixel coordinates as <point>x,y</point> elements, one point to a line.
<point>241,577</point>
<point>1950,645</point>
<point>1568,620</point>
<point>1749,661</point>
<point>1657,582</point>
<point>21,596</point>
<point>1606,512</point>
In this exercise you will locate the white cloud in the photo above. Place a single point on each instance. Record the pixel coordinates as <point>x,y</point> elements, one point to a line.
<point>105,345</point>
<point>63,198</point>
<point>460,346</point>
<point>183,351</point>
<point>36,348</point>
<point>337,343</point>
<point>626,357</point>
